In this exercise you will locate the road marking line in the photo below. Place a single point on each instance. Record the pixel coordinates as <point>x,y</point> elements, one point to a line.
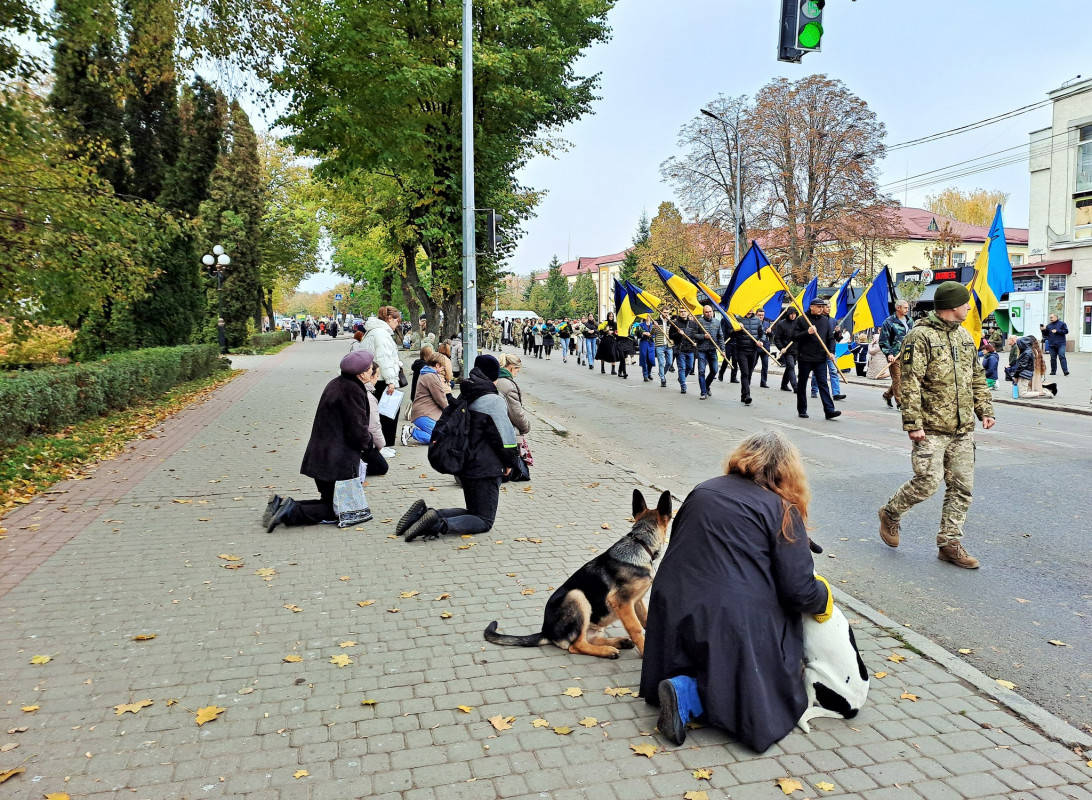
<point>875,446</point>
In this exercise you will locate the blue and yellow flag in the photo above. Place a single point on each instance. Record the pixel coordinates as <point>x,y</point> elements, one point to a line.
<point>841,299</point>
<point>875,306</point>
<point>623,311</point>
<point>807,295</point>
<point>992,278</point>
<point>775,304</point>
<point>641,301</point>
<point>842,356</point>
<point>753,280</point>
<point>717,303</point>
<point>682,290</point>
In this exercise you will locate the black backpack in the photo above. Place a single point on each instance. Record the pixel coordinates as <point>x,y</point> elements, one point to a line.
<point>450,441</point>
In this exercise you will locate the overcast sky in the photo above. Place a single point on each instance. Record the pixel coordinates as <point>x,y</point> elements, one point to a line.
<point>939,65</point>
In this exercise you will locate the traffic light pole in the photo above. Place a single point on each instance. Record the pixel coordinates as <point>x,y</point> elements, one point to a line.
<point>470,261</point>
<point>739,173</point>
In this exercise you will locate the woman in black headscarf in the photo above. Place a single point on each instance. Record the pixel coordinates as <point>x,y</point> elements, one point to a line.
<point>607,351</point>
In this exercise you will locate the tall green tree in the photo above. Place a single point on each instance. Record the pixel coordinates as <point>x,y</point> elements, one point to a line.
<point>232,217</point>
<point>375,89</point>
<point>556,297</point>
<point>631,263</point>
<point>583,299</point>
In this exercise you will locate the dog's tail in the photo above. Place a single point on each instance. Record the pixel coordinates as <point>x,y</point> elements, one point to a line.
<point>531,640</point>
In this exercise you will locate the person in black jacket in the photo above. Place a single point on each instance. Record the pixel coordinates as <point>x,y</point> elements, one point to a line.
<point>746,352</point>
<point>808,339</point>
<point>491,454</point>
<point>339,442</point>
<point>782,337</point>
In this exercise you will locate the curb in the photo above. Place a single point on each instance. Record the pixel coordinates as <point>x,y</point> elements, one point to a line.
<point>553,425</point>
<point>1049,724</point>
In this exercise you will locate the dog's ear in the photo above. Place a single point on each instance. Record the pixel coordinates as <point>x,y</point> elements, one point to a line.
<point>663,508</point>
<point>639,506</point>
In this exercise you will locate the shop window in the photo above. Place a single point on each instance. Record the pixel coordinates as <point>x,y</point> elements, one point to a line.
<point>1056,283</point>
<point>1082,216</point>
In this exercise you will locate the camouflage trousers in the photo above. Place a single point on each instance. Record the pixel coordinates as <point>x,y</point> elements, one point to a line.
<point>937,457</point>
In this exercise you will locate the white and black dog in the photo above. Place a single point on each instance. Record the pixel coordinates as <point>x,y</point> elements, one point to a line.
<point>834,673</point>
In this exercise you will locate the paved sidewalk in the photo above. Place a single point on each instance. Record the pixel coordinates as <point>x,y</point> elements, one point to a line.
<point>408,715</point>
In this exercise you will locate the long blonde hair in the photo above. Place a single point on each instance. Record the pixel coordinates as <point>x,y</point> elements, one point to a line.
<point>508,360</point>
<point>769,459</point>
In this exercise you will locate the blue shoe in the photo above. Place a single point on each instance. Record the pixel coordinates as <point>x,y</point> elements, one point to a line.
<point>679,703</point>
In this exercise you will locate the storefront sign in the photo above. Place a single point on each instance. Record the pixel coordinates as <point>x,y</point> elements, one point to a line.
<point>1029,283</point>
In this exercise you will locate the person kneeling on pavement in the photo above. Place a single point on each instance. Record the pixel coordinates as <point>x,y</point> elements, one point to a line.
<point>341,437</point>
<point>429,402</point>
<point>491,454</point>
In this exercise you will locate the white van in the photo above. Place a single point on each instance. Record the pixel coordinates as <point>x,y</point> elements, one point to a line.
<point>515,315</point>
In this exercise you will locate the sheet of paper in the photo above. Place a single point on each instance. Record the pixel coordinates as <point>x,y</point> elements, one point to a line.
<point>390,403</point>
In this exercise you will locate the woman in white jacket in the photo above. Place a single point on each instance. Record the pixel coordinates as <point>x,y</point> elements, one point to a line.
<point>379,340</point>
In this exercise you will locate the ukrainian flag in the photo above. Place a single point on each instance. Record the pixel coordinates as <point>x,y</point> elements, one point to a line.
<point>774,305</point>
<point>875,306</point>
<point>641,301</point>
<point>841,300</point>
<point>717,303</point>
<point>809,293</point>
<point>842,357</point>
<point>623,311</point>
<point>992,278</point>
<point>752,282</point>
<point>682,290</point>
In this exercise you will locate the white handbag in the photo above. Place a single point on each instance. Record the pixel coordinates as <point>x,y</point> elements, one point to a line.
<point>350,502</point>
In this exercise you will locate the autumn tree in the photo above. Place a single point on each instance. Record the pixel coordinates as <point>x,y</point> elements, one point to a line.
<point>974,208</point>
<point>814,158</point>
<point>632,261</point>
<point>938,253</point>
<point>670,245</point>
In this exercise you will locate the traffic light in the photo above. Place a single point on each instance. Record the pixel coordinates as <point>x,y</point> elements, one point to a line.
<point>491,240</point>
<point>801,28</point>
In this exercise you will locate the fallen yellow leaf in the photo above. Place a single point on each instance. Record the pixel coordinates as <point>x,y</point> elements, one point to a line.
<point>965,651</point>
<point>30,709</point>
<point>341,660</point>
<point>208,714</point>
<point>349,643</point>
<point>823,786</point>
<point>907,696</point>
<point>393,610</point>
<point>1057,643</point>
<point>1007,684</point>
<point>41,659</point>
<point>789,785</point>
<point>408,594</point>
<point>589,722</point>
<point>1022,600</point>
<point>131,707</point>
<point>293,608</point>
<point>364,603</point>
<point>501,722</point>
<point>57,796</point>
<point>446,615</point>
<point>647,750</point>
<point>703,774</point>
<point>896,658</point>
<point>343,578</point>
<point>465,709</point>
<point>368,702</point>
<point>300,773</point>
<point>528,591</point>
<point>573,691</point>
<point>11,773</point>
<point>880,675</point>
<point>564,730</point>
<point>696,795</point>
<point>228,557</point>
<point>293,659</point>
<point>144,637</point>
<point>540,723</point>
<point>605,526</point>
<point>444,596</point>
<point>621,691</point>
<point>265,572</point>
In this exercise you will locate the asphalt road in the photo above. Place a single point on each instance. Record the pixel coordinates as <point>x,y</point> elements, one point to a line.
<point>1030,523</point>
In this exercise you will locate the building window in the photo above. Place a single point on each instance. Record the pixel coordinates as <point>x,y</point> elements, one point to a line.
<point>959,258</point>
<point>1016,260</point>
<point>1056,283</point>
<point>1084,159</point>
<point>1082,217</point>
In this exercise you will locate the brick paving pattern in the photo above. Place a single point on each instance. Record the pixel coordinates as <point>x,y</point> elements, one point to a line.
<point>140,551</point>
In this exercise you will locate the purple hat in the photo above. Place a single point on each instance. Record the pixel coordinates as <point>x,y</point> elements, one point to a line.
<point>357,362</point>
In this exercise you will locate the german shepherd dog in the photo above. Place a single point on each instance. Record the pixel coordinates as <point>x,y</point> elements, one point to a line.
<point>610,587</point>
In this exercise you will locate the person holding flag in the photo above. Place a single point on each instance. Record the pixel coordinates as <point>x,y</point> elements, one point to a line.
<point>813,339</point>
<point>706,332</point>
<point>648,348</point>
<point>661,340</point>
<point>683,345</point>
<point>782,338</point>
<point>748,342</point>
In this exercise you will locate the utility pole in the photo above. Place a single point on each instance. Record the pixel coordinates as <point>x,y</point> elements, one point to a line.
<point>470,262</point>
<point>738,171</point>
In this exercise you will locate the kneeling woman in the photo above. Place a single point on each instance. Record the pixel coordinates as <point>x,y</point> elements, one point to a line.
<point>429,401</point>
<point>341,437</point>
<point>725,639</point>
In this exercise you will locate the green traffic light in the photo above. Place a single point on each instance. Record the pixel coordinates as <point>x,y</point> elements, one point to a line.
<point>810,35</point>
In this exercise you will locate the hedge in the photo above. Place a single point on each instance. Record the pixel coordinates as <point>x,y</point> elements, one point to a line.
<point>261,341</point>
<point>46,400</point>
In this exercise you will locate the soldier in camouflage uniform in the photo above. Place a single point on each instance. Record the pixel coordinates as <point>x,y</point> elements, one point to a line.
<point>943,389</point>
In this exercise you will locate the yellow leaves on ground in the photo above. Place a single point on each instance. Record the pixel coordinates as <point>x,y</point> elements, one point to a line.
<point>444,596</point>
<point>394,610</point>
<point>965,651</point>
<point>896,658</point>
<point>907,696</point>
<point>573,691</point>
<point>789,785</point>
<point>501,722</point>
<point>293,659</point>
<point>880,675</point>
<point>589,722</point>
<point>404,595</point>
<point>605,526</point>
<point>1057,643</point>
<point>131,707</point>
<point>365,603</point>
<point>446,615</point>
<point>539,723</point>
<point>343,578</point>
<point>563,730</point>
<point>41,659</point>
<point>367,701</point>
<point>621,691</point>
<point>229,557</point>
<point>265,572</point>
<point>349,643</point>
<point>57,796</point>
<point>647,750</point>
<point>823,786</point>
<point>11,773</point>
<point>703,774</point>
<point>181,502</point>
<point>208,714</point>
<point>292,607</point>
<point>30,709</point>
<point>465,709</point>
<point>144,637</point>
<point>1007,684</point>
<point>528,591</point>
<point>300,773</point>
<point>696,795</point>
<point>1021,600</point>
<point>341,660</point>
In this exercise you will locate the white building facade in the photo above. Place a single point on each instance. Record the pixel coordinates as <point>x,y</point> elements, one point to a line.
<point>1057,278</point>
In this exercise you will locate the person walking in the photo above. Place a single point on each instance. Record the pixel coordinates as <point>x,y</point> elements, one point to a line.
<point>661,341</point>
<point>379,340</point>
<point>1029,370</point>
<point>892,333</point>
<point>648,348</point>
<point>725,635</point>
<point>684,348</point>
<point>1054,333</point>
<point>746,348</point>
<point>491,454</point>
<point>591,340</point>
<point>549,330</point>
<point>809,338</point>
<point>706,332</point>
<point>340,440</point>
<point>860,354</point>
<point>782,338</point>
<point>764,351</point>
<point>943,390</point>
<point>607,349</point>
<point>565,337</point>
<point>430,399</point>
<point>877,361</point>
<point>538,330</point>
<point>626,349</point>
<point>989,364</point>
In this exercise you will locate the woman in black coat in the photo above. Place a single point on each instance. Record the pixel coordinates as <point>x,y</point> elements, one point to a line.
<point>607,350</point>
<point>339,442</point>
<point>724,639</point>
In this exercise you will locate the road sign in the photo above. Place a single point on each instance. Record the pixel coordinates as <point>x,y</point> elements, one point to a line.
<point>337,296</point>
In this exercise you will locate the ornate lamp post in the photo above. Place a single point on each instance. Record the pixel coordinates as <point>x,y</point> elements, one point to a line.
<point>216,261</point>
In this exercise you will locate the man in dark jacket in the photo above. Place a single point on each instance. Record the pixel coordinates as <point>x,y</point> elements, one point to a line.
<point>706,332</point>
<point>809,336</point>
<point>782,337</point>
<point>683,347</point>
<point>1054,333</point>
<point>892,332</point>
<point>747,348</point>
<point>491,454</point>
<point>765,326</point>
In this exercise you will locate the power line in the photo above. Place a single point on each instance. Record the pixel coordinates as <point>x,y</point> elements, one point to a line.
<point>971,126</point>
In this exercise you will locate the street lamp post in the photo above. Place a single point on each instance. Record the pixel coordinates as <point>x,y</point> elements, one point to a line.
<point>739,171</point>
<point>216,261</point>
<point>470,264</point>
